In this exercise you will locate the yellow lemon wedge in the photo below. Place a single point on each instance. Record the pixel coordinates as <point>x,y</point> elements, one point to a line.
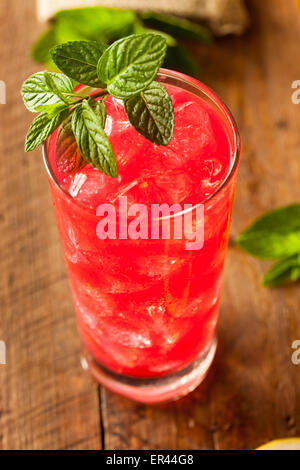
<point>282,444</point>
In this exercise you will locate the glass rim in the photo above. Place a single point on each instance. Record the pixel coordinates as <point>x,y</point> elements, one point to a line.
<point>184,79</point>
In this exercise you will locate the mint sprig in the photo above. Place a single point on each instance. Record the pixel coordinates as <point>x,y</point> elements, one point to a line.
<point>276,236</point>
<point>125,70</point>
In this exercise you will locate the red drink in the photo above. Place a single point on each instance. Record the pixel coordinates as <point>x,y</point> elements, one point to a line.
<point>147,309</point>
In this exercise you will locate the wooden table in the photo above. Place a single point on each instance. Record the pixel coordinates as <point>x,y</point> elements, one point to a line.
<point>252,393</point>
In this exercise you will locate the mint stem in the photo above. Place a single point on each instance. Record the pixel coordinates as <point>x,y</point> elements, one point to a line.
<point>93,96</point>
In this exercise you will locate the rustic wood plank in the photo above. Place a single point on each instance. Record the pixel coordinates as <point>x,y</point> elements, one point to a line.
<point>252,393</point>
<point>46,401</point>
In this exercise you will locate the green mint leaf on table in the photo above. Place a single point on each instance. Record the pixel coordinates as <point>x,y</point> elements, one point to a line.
<point>275,235</point>
<point>41,128</point>
<point>42,89</point>
<point>94,23</point>
<point>41,49</point>
<point>285,270</point>
<point>151,113</point>
<point>179,27</point>
<point>129,65</point>
<point>67,154</point>
<point>92,140</point>
<point>78,60</point>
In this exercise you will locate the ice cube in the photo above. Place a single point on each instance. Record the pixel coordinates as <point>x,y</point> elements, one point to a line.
<point>92,302</point>
<point>176,184</point>
<point>158,266</point>
<point>127,332</point>
<point>140,191</point>
<point>193,133</point>
<point>77,183</point>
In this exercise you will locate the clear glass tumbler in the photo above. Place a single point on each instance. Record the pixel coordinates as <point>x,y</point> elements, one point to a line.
<point>147,309</point>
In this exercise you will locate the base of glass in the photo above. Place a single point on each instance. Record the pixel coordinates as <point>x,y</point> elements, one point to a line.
<point>153,390</point>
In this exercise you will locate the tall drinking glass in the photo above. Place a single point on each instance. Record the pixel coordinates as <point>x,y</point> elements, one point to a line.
<point>145,251</point>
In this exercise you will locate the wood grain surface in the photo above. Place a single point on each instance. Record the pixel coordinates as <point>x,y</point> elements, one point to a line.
<point>252,393</point>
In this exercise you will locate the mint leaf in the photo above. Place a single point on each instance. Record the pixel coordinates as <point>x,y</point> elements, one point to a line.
<point>67,155</point>
<point>285,270</point>
<point>51,109</point>
<point>39,90</point>
<point>56,83</point>
<point>41,49</point>
<point>94,23</point>
<point>100,110</point>
<point>92,140</point>
<point>78,60</point>
<point>177,57</point>
<point>275,235</point>
<point>151,113</point>
<point>129,65</point>
<point>179,27</point>
<point>41,128</point>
